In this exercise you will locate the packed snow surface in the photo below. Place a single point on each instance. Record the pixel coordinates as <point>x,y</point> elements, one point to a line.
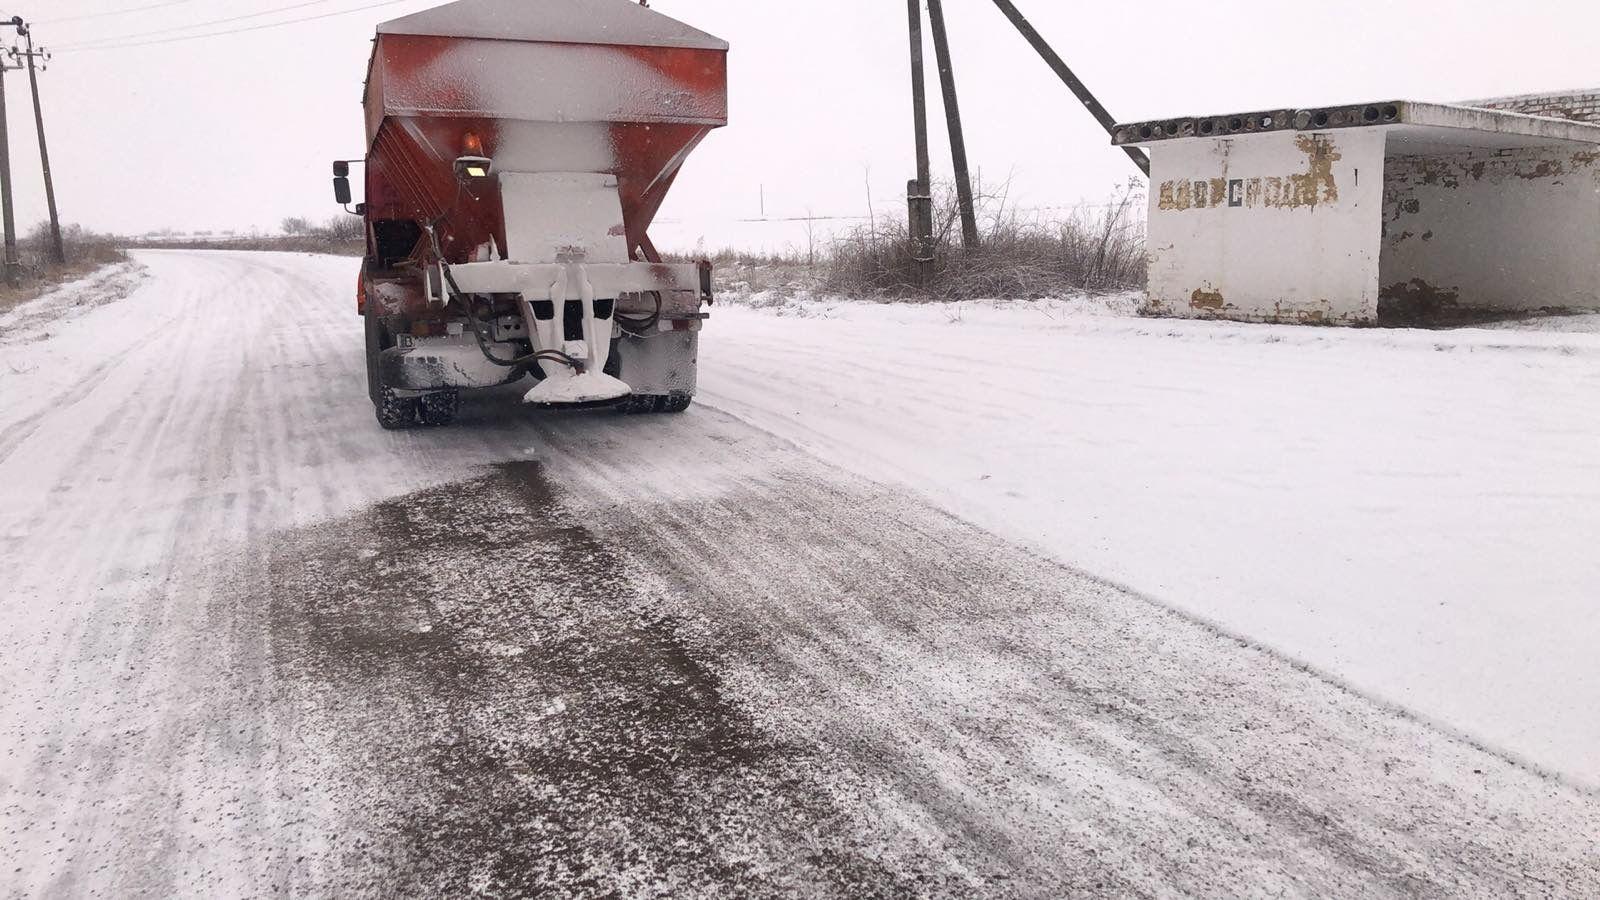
<point>1414,512</point>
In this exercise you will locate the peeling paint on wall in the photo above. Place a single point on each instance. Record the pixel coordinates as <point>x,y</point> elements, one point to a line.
<point>1204,299</point>
<point>1485,232</point>
<point>1416,301</point>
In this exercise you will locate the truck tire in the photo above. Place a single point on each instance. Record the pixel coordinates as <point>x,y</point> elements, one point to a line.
<point>634,404</point>
<point>395,412</point>
<point>439,408</point>
<point>637,404</point>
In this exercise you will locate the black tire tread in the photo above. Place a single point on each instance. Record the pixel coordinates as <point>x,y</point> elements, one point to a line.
<point>395,412</point>
<point>638,404</point>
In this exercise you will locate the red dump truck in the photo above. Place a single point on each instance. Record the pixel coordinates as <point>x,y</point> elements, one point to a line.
<point>518,151</point>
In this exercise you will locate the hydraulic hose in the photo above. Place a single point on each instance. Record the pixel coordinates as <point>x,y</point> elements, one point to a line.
<point>555,356</point>
<point>640,327</point>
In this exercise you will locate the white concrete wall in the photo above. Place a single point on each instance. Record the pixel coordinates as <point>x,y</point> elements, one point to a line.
<point>1509,230</point>
<point>1281,226</point>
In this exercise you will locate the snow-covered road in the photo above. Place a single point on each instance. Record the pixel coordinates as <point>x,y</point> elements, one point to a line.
<point>255,645</point>
<point>1416,513</point>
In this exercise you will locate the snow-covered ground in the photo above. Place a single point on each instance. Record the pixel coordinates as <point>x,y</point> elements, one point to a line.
<point>33,320</point>
<point>255,644</point>
<point>1414,512</point>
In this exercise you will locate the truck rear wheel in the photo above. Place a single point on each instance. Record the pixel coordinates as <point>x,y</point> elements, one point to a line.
<point>637,404</point>
<point>395,412</point>
<point>439,408</point>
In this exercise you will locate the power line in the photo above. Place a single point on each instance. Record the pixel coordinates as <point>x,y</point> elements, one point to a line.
<point>122,38</point>
<point>211,34</point>
<point>109,12</point>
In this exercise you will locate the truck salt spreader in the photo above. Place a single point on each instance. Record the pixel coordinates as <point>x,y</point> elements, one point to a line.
<point>518,151</point>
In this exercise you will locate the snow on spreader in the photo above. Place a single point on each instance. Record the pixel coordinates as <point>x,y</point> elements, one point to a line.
<point>518,152</point>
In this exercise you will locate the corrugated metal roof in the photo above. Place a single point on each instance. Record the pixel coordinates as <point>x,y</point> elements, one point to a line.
<point>615,22</point>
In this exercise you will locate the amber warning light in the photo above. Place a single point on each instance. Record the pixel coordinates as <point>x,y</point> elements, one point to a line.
<point>472,165</point>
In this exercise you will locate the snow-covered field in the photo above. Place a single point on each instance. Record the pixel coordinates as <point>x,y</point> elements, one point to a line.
<point>1414,512</point>
<point>254,644</point>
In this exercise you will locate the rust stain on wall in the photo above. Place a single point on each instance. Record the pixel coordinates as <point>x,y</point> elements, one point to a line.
<point>1204,299</point>
<point>1303,190</point>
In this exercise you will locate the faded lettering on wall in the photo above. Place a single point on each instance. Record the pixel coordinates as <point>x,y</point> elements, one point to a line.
<point>1307,189</point>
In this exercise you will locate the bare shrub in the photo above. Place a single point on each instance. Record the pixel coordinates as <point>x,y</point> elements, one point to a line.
<point>38,271</point>
<point>344,230</point>
<point>81,246</point>
<point>1020,256</point>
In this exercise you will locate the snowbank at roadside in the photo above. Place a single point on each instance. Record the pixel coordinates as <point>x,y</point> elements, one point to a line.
<point>33,319</point>
<point>48,343</point>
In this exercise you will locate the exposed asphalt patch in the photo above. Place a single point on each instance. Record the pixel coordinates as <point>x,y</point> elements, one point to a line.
<point>506,712</point>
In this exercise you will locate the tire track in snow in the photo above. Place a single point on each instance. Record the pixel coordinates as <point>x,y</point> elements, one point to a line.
<point>1279,776</point>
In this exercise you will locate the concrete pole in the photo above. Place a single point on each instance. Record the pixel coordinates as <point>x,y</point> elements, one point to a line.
<point>57,250</point>
<point>1078,88</point>
<point>919,193</point>
<point>952,112</point>
<point>11,264</point>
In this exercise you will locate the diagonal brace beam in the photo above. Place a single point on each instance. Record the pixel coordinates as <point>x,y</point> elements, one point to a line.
<point>1073,83</point>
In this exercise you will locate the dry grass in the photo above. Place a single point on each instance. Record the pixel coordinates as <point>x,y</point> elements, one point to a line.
<point>85,252</point>
<point>1020,256</point>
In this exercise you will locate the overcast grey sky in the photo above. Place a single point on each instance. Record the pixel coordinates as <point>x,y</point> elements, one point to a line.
<point>237,131</point>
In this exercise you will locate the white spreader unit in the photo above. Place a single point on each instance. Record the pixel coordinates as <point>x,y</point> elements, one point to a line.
<point>564,236</point>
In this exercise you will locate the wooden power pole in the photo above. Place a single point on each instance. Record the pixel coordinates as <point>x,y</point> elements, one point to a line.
<point>952,113</point>
<point>919,193</point>
<point>10,222</point>
<point>58,252</point>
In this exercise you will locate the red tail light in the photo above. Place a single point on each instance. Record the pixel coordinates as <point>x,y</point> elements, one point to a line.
<point>361,292</point>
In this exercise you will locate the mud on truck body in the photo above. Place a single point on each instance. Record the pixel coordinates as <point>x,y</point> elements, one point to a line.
<point>518,151</point>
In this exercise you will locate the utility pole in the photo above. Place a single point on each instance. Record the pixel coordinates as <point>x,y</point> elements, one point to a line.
<point>1078,88</point>
<point>952,113</point>
<point>919,193</point>
<point>58,252</point>
<point>11,264</point>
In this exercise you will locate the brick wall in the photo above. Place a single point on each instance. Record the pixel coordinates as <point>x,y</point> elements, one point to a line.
<point>1582,106</point>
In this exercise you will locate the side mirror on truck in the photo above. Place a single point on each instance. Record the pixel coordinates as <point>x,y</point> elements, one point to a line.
<point>341,187</point>
<point>341,182</point>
